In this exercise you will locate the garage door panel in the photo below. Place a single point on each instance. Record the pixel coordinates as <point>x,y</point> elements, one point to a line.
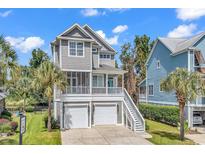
<point>76,117</point>
<point>105,114</point>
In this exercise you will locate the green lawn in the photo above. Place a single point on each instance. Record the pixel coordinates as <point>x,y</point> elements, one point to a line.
<point>163,134</point>
<point>36,133</point>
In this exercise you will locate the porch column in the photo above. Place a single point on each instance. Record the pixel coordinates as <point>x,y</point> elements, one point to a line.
<point>61,116</point>
<point>106,83</point>
<point>91,80</point>
<point>90,115</point>
<point>190,116</point>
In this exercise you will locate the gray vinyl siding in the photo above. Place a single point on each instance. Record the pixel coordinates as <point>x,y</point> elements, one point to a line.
<point>104,46</point>
<point>57,58</point>
<point>77,63</point>
<point>168,63</point>
<point>75,33</point>
<point>107,62</point>
<point>95,60</point>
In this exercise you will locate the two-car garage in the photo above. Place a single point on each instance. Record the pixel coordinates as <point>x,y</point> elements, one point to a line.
<point>79,116</point>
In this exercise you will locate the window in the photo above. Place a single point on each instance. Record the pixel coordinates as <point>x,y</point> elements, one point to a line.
<point>158,64</point>
<point>94,50</point>
<point>98,81</point>
<point>142,90</point>
<point>73,48</point>
<point>106,56</point>
<point>76,49</point>
<point>151,90</point>
<point>79,49</point>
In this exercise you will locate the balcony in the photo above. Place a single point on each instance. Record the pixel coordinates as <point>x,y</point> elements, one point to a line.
<point>95,90</point>
<point>109,90</point>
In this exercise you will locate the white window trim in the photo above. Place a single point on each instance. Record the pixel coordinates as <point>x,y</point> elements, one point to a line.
<point>158,62</point>
<point>96,50</point>
<point>153,89</point>
<point>76,49</point>
<point>106,56</point>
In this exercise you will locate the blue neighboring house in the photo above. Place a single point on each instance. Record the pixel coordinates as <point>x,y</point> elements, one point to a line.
<point>167,54</point>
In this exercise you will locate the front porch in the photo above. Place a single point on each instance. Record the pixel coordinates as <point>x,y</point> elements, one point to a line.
<point>93,83</point>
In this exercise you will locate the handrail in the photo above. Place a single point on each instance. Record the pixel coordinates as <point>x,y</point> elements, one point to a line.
<point>130,99</point>
<point>127,108</point>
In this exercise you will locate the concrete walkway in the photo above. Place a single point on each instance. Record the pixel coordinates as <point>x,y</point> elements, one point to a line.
<point>197,138</point>
<point>103,135</point>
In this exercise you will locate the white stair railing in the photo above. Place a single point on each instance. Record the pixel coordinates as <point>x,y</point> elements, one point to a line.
<point>138,122</point>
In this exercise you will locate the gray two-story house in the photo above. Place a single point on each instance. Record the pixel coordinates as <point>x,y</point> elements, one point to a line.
<point>95,94</point>
<point>167,54</point>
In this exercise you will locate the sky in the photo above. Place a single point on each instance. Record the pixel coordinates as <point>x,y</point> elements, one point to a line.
<point>27,29</point>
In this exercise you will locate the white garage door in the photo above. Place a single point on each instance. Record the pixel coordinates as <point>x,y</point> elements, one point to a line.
<point>105,114</point>
<point>76,117</point>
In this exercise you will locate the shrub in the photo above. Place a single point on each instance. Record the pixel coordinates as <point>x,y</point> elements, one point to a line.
<point>29,108</point>
<point>14,125</point>
<point>6,117</point>
<point>54,123</point>
<point>165,114</point>
<point>7,113</point>
<point>5,128</point>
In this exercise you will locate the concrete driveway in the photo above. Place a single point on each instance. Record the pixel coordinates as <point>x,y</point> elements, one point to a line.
<point>102,135</point>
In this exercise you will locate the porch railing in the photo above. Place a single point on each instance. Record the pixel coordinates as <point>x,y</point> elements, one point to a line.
<point>77,90</point>
<point>110,90</point>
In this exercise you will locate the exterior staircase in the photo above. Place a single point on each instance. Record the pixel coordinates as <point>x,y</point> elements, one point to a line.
<point>133,118</point>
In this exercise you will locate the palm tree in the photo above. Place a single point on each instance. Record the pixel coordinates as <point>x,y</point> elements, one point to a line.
<point>187,86</point>
<point>45,77</point>
<point>8,59</point>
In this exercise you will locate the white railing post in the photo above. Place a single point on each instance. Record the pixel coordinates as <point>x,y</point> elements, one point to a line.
<point>106,83</point>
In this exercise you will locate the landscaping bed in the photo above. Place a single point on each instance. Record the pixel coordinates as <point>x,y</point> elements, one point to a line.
<point>36,133</point>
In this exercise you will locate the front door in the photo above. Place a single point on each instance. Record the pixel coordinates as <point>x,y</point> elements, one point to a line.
<point>110,82</point>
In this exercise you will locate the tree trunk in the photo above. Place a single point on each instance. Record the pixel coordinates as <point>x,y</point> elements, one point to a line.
<point>181,117</point>
<point>49,116</point>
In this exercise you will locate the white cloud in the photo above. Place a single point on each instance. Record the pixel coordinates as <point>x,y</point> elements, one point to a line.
<point>117,9</point>
<point>25,44</point>
<point>111,40</point>
<point>120,29</point>
<point>91,12</point>
<point>190,14</point>
<point>183,31</point>
<point>5,14</point>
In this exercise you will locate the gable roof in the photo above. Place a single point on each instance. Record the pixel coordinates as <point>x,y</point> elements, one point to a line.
<point>177,45</point>
<point>73,27</point>
<point>105,43</point>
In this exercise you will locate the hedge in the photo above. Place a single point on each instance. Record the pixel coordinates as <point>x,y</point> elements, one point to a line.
<point>165,114</point>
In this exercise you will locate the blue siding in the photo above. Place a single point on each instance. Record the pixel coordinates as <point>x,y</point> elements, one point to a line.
<point>201,45</point>
<point>168,64</point>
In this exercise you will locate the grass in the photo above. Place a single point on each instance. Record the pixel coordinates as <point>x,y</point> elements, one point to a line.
<point>36,133</point>
<point>163,134</point>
